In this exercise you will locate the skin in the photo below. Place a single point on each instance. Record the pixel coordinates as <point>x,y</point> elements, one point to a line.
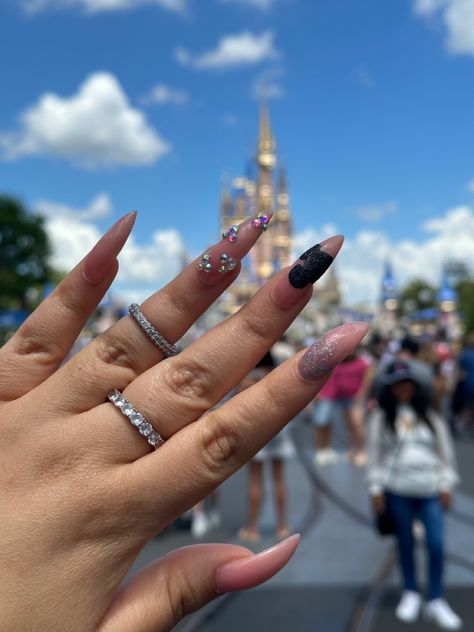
<point>81,492</point>
<point>403,392</point>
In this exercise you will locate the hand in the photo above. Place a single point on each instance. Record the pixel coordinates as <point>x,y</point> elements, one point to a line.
<point>446,500</point>
<point>378,504</point>
<point>82,491</point>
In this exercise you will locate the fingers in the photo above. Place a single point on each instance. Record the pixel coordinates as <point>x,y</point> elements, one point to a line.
<point>42,342</point>
<point>184,580</point>
<point>114,359</point>
<point>199,457</point>
<point>180,390</point>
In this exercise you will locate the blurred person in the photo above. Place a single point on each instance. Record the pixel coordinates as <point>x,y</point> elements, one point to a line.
<point>411,473</point>
<point>344,393</point>
<point>275,453</point>
<point>466,383</point>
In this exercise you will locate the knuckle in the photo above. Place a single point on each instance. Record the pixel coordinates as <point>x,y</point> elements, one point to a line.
<point>191,382</point>
<point>256,325</point>
<point>113,351</point>
<point>182,595</point>
<point>220,447</point>
<point>31,341</point>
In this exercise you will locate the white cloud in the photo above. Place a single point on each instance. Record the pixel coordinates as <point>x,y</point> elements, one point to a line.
<point>241,49</point>
<point>458,19</point>
<point>144,266</point>
<point>162,94</point>
<point>95,127</point>
<point>361,260</point>
<point>98,208</point>
<point>97,6</point>
<point>268,86</point>
<point>376,212</point>
<point>257,4</point>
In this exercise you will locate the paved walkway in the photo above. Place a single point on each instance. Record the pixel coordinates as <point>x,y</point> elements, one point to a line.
<point>329,584</point>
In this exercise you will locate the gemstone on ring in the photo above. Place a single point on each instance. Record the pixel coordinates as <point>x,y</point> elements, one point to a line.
<point>143,426</point>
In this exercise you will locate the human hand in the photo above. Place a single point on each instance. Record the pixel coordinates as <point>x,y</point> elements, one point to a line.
<point>82,491</point>
<point>378,504</point>
<point>446,500</point>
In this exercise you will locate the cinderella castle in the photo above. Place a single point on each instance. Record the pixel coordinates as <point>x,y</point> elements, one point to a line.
<point>268,191</point>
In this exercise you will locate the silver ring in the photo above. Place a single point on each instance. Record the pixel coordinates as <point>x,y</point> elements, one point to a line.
<point>160,341</point>
<point>143,426</point>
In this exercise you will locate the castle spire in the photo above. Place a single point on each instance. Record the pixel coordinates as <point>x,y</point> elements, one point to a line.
<point>266,145</point>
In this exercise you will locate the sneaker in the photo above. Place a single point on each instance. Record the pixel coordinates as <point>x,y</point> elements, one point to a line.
<point>200,525</point>
<point>408,610</point>
<point>439,612</point>
<point>214,519</point>
<point>327,456</point>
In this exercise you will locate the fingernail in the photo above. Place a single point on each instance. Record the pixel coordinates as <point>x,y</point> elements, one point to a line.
<point>224,257</point>
<point>256,569</point>
<point>309,267</point>
<point>100,258</point>
<point>330,350</point>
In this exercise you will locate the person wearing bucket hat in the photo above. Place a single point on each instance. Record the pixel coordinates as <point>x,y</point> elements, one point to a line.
<point>411,474</point>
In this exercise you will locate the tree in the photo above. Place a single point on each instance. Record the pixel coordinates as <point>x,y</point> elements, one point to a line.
<point>24,252</point>
<point>418,294</point>
<point>465,290</point>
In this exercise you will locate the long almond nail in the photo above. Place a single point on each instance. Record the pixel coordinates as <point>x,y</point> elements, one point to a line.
<point>256,569</point>
<point>102,255</point>
<point>330,350</point>
<point>308,268</point>
<point>224,257</point>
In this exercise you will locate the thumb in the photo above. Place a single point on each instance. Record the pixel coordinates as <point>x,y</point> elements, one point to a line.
<point>182,581</point>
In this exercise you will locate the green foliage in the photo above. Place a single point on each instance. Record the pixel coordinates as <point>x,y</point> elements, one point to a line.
<point>465,290</point>
<point>418,294</point>
<point>24,252</point>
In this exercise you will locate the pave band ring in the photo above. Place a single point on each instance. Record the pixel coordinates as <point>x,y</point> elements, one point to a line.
<point>160,341</point>
<point>143,426</point>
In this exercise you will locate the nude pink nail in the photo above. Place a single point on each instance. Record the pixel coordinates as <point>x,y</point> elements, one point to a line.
<point>224,257</point>
<point>102,255</point>
<point>330,350</point>
<point>306,270</point>
<point>255,569</point>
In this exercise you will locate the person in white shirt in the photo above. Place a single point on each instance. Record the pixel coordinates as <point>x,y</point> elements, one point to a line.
<point>411,473</point>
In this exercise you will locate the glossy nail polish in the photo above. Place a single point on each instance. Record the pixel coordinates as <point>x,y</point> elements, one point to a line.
<point>250,571</point>
<point>224,257</point>
<point>308,268</point>
<point>103,254</point>
<point>330,350</point>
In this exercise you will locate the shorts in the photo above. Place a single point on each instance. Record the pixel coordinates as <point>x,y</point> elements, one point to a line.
<point>327,410</point>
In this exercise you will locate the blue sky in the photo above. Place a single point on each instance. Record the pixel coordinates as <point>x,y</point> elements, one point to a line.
<point>108,105</point>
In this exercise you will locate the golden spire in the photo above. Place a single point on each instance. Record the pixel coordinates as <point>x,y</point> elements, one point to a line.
<point>266,144</point>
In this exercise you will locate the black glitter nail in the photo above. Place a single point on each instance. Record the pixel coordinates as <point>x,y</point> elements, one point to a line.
<point>316,262</point>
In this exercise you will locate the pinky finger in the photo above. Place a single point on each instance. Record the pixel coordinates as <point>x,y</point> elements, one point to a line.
<point>43,341</point>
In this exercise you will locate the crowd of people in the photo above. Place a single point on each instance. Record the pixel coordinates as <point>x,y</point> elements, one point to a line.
<point>400,402</point>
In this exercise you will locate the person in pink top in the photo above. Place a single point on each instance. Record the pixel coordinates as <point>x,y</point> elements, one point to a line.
<point>344,394</point>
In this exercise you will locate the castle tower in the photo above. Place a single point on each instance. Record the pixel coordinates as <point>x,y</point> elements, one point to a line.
<point>252,194</point>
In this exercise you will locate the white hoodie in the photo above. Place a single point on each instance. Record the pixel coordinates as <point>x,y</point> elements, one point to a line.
<point>413,460</point>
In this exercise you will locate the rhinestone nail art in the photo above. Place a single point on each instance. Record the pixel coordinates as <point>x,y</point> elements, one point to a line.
<point>226,263</point>
<point>261,221</point>
<point>231,234</point>
<point>205,264</point>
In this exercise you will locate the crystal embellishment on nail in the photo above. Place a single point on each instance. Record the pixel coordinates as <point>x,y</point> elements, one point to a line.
<point>231,234</point>
<point>205,264</point>
<point>226,263</point>
<point>261,221</point>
